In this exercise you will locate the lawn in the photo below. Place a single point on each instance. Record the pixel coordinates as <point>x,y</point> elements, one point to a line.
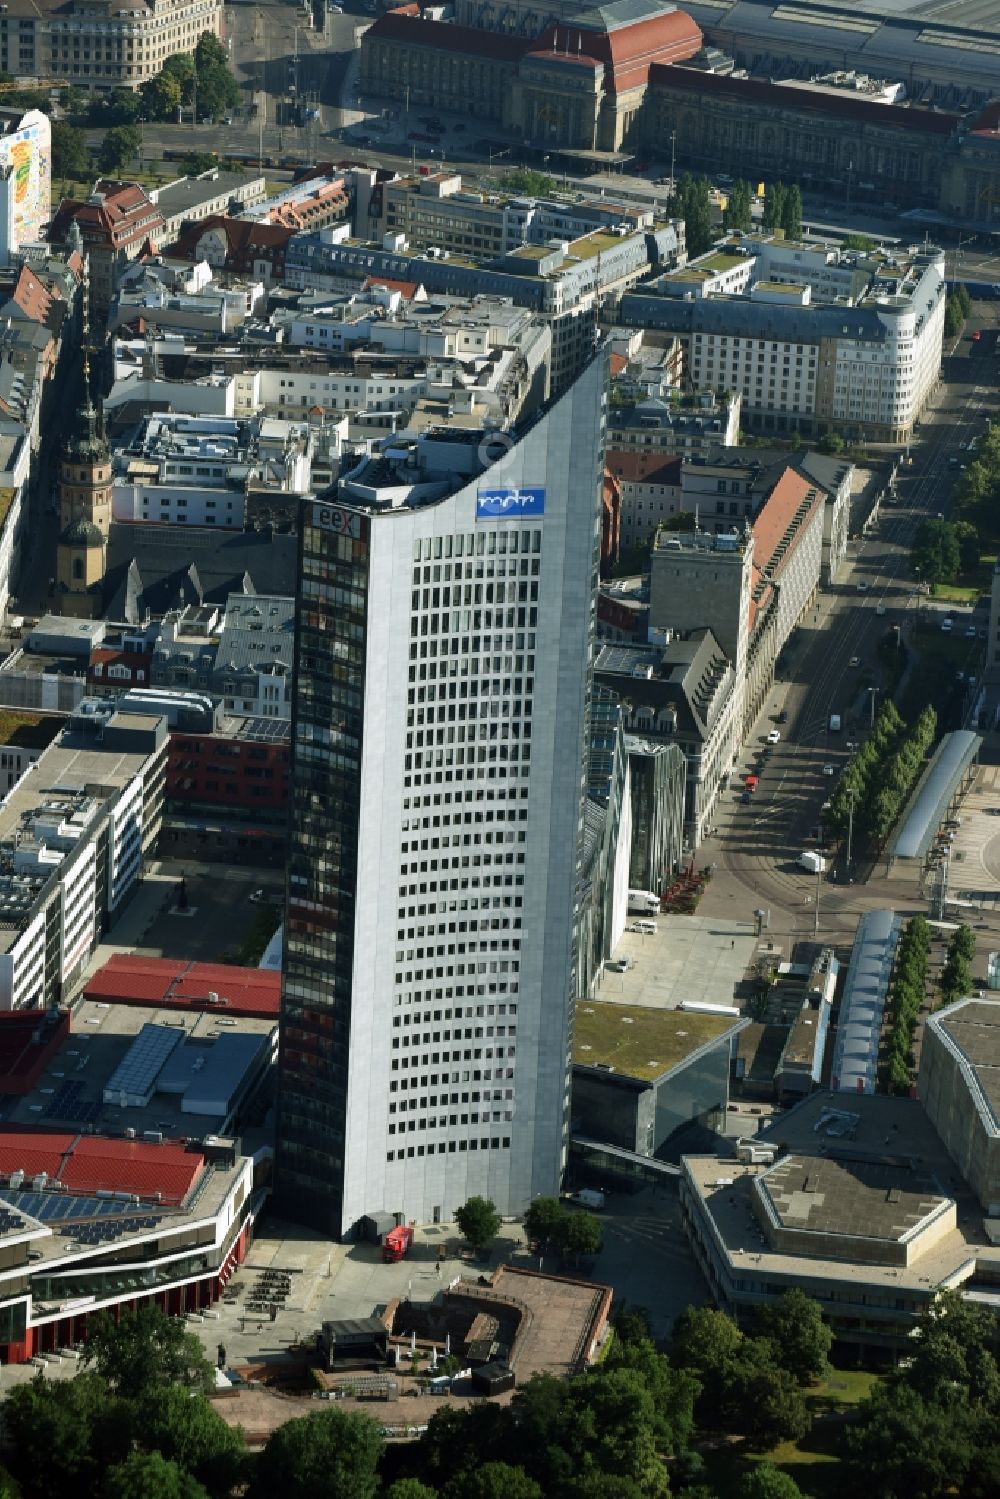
<point>814,1462</point>
<point>933,677</point>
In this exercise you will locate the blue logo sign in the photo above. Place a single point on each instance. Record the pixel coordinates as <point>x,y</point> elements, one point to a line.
<point>509,504</point>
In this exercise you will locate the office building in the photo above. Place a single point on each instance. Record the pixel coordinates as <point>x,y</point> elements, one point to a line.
<point>579,86</point>
<point>440,742</point>
<point>97,48</point>
<point>814,338</point>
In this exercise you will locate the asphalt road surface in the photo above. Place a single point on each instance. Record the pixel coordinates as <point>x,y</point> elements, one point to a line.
<point>828,664</point>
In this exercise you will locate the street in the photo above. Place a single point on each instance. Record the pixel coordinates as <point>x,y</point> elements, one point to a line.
<point>755,848</point>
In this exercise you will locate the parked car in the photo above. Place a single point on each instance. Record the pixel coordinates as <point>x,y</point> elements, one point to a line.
<point>774,737</point>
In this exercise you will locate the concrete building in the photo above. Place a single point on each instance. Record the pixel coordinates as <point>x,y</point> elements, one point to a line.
<point>115,224</point>
<point>852,1200</point>
<point>565,284</point>
<point>700,579</point>
<point>958,1086</point>
<point>689,426</point>
<point>73,834</point>
<point>602,903</point>
<point>864,366</point>
<point>640,1075</point>
<point>683,693</point>
<point>650,487</point>
<point>100,50</point>
<point>189,200</point>
<point>579,86</point>
<point>381,672</point>
<point>438,209</point>
<point>200,470</point>
<point>241,653</point>
<point>657,776</point>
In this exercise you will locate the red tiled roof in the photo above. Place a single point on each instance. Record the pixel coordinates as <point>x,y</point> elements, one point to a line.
<point>33,1151</point>
<point>618,363</point>
<point>400,26</point>
<point>132,1166</point>
<point>23,1059</point>
<point>243,236</point>
<point>753,92</point>
<point>629,52</point>
<point>633,467</point>
<point>408,289</point>
<point>770,524</point>
<point>127,979</point>
<point>34,299</point>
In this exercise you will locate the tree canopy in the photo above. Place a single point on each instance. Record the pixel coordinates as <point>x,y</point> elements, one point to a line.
<point>478,1222</point>
<point>143,1349</point>
<point>329,1454</point>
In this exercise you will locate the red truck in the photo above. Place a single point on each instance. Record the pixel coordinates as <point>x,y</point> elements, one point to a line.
<point>397,1243</point>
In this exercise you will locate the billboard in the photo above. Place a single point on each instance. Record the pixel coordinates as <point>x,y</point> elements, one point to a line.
<point>26,153</point>
<point>509,504</point>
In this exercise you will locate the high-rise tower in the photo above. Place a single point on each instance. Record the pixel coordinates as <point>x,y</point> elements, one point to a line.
<point>444,649</point>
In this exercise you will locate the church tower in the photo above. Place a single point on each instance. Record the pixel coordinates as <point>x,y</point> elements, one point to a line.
<point>84,508</point>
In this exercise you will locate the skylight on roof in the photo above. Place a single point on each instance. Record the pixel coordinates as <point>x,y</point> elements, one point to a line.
<point>818,18</point>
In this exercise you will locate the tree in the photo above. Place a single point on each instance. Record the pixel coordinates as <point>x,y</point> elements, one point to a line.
<point>791,212</point>
<point>161,96</point>
<point>543,1219</point>
<point>831,442</point>
<point>631,1323</point>
<point>70,154</point>
<point>494,1481</point>
<point>674,1391</point>
<point>327,1455</point>
<point>186,1429</point>
<point>146,1348</point>
<point>579,1233</point>
<point>774,206</point>
<point>863,242</point>
<point>410,1488</point>
<point>765,1481</point>
<point>693,203</point>
<point>738,214</point>
<point>147,1475</point>
<point>120,144</point>
<point>179,67</point>
<point>903,1447</point>
<point>967,536</point>
<point>684,521</point>
<point>198,162</point>
<point>763,1400</point>
<point>951,1361</point>
<point>61,1435</point>
<point>801,1338</point>
<point>935,556</point>
<point>478,1222</point>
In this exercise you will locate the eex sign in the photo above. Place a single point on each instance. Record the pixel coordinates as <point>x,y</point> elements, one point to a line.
<point>509,504</point>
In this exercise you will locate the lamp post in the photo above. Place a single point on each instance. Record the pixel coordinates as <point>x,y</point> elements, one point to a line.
<point>872,691</point>
<point>816,907</point>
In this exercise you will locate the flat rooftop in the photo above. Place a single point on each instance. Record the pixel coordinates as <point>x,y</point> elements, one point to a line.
<point>639,1043</point>
<point>974,1028</point>
<point>688,957</point>
<point>861,1199</point>
<point>172,984</point>
<point>69,1094</point>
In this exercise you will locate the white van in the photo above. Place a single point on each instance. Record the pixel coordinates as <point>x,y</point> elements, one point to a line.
<point>834,723</point>
<point>647,928</point>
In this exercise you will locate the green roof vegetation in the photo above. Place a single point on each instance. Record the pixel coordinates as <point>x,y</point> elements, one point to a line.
<point>593,244</point>
<point>722,262</point>
<point>640,1042</point>
<point>27,730</point>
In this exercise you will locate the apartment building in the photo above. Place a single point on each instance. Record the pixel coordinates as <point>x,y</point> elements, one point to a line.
<point>73,834</point>
<point>439,210</point>
<point>862,363</point>
<point>685,693</point>
<point>198,470</point>
<point>102,46</point>
<point>440,737</point>
<point>565,284</point>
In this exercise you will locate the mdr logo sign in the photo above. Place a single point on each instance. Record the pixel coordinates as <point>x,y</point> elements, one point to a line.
<point>509,504</point>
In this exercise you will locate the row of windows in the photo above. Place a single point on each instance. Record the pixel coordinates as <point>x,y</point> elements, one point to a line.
<point>450,1147</point>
